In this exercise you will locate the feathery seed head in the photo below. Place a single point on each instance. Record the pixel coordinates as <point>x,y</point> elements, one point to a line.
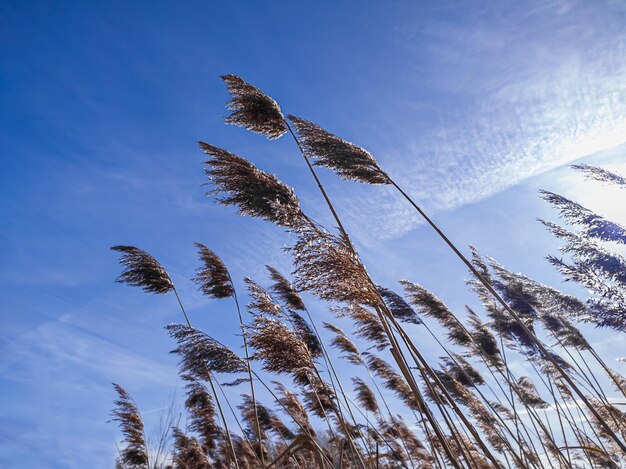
<point>135,454</point>
<point>345,346</point>
<point>306,334</point>
<point>399,308</point>
<point>285,290</point>
<point>296,409</point>
<point>346,159</point>
<point>254,192</point>
<point>278,347</point>
<point>365,396</point>
<point>591,223</point>
<point>326,266</point>
<point>252,109</point>
<point>367,324</point>
<point>188,452</point>
<point>199,404</point>
<point>262,302</point>
<point>201,354</point>
<point>600,174</point>
<point>143,270</point>
<point>213,277</point>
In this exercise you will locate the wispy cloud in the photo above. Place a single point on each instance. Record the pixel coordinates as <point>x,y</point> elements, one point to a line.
<point>72,351</point>
<point>531,95</point>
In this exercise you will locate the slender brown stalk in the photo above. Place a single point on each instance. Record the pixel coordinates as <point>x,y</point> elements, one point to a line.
<point>253,394</point>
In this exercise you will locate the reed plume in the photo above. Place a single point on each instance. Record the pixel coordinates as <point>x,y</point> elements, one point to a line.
<point>392,380</point>
<point>462,370</point>
<point>254,192</point>
<point>215,281</point>
<point>590,254</point>
<point>399,308</point>
<point>202,416</point>
<point>530,395</point>
<point>320,398</point>
<point>252,109</point>
<point>367,324</point>
<point>188,453</point>
<point>143,270</point>
<point>600,174</point>
<point>268,420</point>
<point>135,454</point>
<point>244,455</point>
<point>365,396</point>
<point>279,348</point>
<point>296,409</point>
<point>202,355</point>
<point>346,159</point>
<point>415,449</point>
<point>212,277</point>
<point>308,336</point>
<point>483,340</point>
<point>431,306</point>
<point>346,347</point>
<point>285,290</point>
<point>326,265</point>
<point>591,224</point>
<point>609,303</point>
<point>262,302</point>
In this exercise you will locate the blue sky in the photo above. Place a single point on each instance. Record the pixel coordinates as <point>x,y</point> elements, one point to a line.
<point>471,106</point>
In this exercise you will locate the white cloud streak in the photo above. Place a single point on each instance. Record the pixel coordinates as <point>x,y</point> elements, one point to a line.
<point>531,96</point>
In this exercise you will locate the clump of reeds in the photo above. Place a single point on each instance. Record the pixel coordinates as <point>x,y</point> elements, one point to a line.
<point>466,408</point>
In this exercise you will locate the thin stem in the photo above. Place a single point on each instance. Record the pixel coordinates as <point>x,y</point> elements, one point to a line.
<point>182,308</point>
<point>249,366</point>
<point>217,399</point>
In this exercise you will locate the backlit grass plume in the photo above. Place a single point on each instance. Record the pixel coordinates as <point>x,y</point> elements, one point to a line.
<point>262,302</point>
<point>201,354</point>
<point>254,192</point>
<point>345,346</point>
<point>346,159</point>
<point>365,396</point>
<point>326,266</point>
<point>187,452</point>
<point>252,109</point>
<point>143,270</point>
<point>591,224</point>
<point>279,348</point>
<point>590,253</point>
<point>212,277</point>
<point>600,174</point>
<point>285,290</point>
<point>399,308</point>
<point>135,454</point>
<point>367,325</point>
<point>202,416</point>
